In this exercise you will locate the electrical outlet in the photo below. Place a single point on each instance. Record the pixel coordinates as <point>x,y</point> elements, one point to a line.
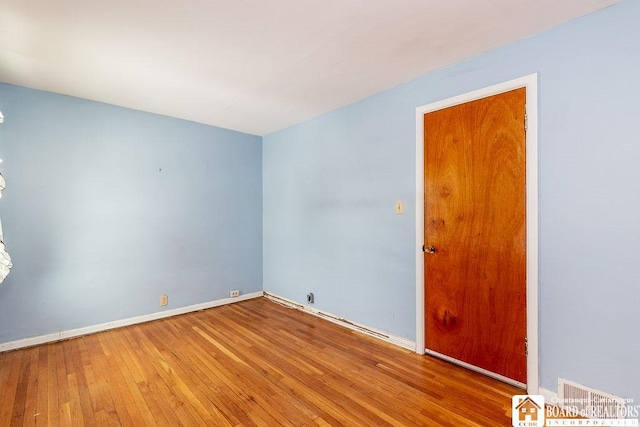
<point>164,299</point>
<point>234,294</point>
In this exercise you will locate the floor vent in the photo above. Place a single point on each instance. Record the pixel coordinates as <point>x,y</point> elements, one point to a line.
<point>590,403</point>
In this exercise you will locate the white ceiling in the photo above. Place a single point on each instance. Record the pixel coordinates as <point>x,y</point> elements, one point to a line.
<point>253,66</point>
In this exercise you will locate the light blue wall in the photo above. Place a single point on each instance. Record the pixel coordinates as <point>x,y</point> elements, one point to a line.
<point>108,208</point>
<point>330,186</point>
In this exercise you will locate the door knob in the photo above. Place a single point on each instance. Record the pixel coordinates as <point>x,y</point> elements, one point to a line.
<point>430,249</point>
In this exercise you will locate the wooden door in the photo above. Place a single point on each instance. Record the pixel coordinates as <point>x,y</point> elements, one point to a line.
<point>475,275</point>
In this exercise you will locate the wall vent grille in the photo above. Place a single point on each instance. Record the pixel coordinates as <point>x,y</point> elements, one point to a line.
<point>589,402</point>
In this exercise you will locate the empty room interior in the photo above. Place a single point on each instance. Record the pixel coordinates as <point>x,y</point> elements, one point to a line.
<point>317,213</point>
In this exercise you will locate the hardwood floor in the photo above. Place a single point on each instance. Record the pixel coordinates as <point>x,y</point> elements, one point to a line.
<point>249,363</point>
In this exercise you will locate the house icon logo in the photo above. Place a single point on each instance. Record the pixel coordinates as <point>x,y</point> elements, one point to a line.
<point>527,410</point>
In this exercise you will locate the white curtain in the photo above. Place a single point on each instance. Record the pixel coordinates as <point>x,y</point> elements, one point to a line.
<point>5,259</point>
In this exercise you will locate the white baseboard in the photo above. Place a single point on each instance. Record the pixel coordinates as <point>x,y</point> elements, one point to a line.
<point>550,397</point>
<point>391,339</point>
<point>58,336</point>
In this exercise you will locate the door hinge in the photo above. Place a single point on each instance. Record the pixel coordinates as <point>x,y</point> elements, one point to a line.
<point>526,122</point>
<point>526,347</point>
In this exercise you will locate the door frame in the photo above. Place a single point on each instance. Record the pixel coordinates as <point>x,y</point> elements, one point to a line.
<point>530,83</point>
